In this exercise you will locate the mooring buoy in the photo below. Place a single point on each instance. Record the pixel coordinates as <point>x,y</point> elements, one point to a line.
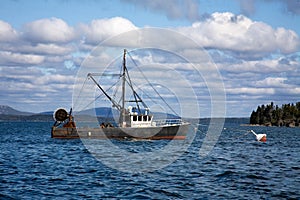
<point>260,137</point>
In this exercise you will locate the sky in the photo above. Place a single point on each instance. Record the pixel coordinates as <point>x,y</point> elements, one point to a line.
<point>254,44</point>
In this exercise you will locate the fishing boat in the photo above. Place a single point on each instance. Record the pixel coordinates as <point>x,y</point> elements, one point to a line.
<point>135,121</point>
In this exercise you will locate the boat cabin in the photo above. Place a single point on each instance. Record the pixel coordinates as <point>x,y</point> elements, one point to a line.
<point>139,120</point>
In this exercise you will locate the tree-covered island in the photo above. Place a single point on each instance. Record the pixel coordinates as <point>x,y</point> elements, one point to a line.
<point>270,115</point>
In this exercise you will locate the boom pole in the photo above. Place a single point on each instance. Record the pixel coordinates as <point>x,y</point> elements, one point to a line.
<point>111,100</point>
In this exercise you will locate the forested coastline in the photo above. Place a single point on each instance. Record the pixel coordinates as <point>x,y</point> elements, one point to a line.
<point>272,115</point>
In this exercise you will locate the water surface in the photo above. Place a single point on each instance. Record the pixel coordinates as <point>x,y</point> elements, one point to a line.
<point>35,166</point>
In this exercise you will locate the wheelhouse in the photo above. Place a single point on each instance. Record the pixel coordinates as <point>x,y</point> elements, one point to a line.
<point>139,120</point>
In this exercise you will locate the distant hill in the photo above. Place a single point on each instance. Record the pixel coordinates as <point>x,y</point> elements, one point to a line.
<point>8,113</point>
<point>7,110</point>
<point>47,113</point>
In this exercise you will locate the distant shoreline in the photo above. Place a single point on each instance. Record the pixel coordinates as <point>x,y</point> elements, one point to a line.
<point>288,115</point>
<point>269,125</point>
<point>49,117</point>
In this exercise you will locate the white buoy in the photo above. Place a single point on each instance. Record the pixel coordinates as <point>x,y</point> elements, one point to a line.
<point>260,137</point>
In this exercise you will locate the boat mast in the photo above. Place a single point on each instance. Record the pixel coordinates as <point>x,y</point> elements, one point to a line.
<point>123,91</point>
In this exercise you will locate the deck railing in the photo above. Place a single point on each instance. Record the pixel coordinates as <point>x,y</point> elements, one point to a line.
<point>165,122</point>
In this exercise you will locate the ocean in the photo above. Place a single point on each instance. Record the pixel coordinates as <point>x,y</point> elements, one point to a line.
<point>35,166</point>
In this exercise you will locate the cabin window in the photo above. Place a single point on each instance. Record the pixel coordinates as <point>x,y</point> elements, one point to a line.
<point>145,118</point>
<point>140,118</point>
<point>149,117</point>
<point>134,118</point>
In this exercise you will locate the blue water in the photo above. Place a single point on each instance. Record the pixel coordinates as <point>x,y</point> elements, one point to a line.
<point>35,166</point>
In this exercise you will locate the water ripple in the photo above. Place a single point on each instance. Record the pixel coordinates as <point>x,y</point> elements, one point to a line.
<point>34,166</point>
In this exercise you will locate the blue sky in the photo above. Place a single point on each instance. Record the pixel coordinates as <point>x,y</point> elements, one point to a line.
<point>19,12</point>
<point>255,45</point>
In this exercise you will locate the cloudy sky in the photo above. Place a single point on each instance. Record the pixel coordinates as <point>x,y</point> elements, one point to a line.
<point>254,44</point>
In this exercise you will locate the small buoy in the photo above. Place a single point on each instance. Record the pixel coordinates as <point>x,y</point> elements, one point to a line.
<point>260,137</point>
<point>89,133</point>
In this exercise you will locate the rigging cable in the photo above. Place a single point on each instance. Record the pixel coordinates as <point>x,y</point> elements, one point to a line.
<point>134,93</point>
<point>100,95</point>
<point>74,106</point>
<point>144,93</point>
<point>152,85</point>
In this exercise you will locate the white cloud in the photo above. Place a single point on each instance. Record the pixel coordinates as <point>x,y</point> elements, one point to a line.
<point>101,29</point>
<point>272,82</point>
<point>51,30</point>
<point>250,91</point>
<point>39,49</point>
<point>32,90</point>
<point>48,50</point>
<point>293,91</point>
<point>240,34</point>
<point>9,58</point>
<point>7,33</point>
<point>260,66</point>
<point>55,79</point>
<point>287,40</point>
<point>52,49</point>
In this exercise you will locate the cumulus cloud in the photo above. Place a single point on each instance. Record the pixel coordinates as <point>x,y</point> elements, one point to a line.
<point>51,30</point>
<point>7,32</point>
<point>234,33</point>
<point>287,40</point>
<point>241,35</point>
<point>43,54</point>
<point>101,29</point>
